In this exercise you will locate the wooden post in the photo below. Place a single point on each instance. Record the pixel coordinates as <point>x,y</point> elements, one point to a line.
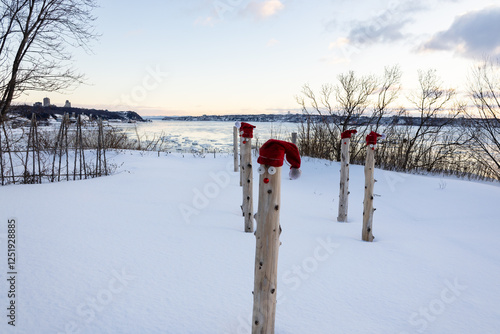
<point>294,138</point>
<point>266,254</point>
<point>235,148</point>
<point>246,170</point>
<point>241,162</point>
<point>344,180</point>
<point>367,233</point>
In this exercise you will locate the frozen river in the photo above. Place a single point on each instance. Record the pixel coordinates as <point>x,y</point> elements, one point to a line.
<point>197,135</point>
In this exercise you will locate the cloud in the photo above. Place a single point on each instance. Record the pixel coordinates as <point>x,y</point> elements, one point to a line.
<point>265,9</point>
<point>387,25</point>
<point>474,35</point>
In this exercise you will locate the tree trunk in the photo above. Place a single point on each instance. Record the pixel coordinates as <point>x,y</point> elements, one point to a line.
<point>344,181</point>
<point>246,168</point>
<point>367,233</point>
<point>235,148</point>
<point>266,254</point>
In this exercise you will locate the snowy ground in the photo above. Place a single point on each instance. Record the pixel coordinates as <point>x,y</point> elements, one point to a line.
<point>160,248</point>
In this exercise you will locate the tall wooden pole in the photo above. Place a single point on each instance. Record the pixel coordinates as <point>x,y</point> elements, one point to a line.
<point>344,180</point>
<point>241,162</point>
<point>367,233</point>
<point>235,148</point>
<point>266,254</point>
<point>246,170</point>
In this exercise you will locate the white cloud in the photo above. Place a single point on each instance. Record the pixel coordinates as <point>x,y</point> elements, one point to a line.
<point>265,9</point>
<point>473,35</point>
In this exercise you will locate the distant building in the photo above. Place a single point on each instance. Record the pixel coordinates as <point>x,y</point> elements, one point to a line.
<point>67,104</point>
<point>37,104</point>
<point>46,102</point>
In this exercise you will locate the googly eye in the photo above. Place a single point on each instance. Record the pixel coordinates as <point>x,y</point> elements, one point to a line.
<point>272,170</point>
<point>261,170</point>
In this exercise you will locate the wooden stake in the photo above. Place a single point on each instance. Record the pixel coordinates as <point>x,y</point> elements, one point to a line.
<point>66,120</point>
<point>25,174</point>
<point>9,153</point>
<point>37,141</point>
<point>246,168</point>
<point>82,154</point>
<point>235,148</point>
<point>241,162</point>
<point>266,254</point>
<point>57,144</point>
<point>367,233</point>
<point>294,138</point>
<point>344,180</point>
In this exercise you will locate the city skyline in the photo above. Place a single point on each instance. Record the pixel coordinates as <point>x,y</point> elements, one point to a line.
<point>219,57</point>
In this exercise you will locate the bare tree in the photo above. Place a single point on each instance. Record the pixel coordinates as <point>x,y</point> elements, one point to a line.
<point>385,94</point>
<point>431,101</point>
<point>35,36</point>
<point>351,94</point>
<point>388,92</point>
<point>484,123</point>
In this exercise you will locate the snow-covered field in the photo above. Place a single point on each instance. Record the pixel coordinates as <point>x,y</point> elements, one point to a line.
<point>159,248</point>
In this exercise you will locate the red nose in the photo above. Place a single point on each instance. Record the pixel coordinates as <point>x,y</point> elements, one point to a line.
<point>266,180</point>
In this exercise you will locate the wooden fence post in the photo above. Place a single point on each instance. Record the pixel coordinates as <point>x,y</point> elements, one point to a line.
<point>344,175</point>
<point>241,162</point>
<point>235,148</point>
<point>371,141</point>
<point>246,168</point>
<point>294,138</point>
<point>268,230</point>
<point>266,254</point>
<point>246,175</point>
<point>368,201</point>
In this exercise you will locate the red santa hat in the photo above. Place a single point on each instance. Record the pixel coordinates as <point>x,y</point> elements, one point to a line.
<point>246,129</point>
<point>348,133</point>
<point>371,138</point>
<point>273,152</point>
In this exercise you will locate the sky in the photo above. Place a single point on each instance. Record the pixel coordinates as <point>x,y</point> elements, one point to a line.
<point>198,57</point>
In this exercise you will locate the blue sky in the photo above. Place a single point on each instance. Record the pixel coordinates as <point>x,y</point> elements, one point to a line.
<point>198,57</point>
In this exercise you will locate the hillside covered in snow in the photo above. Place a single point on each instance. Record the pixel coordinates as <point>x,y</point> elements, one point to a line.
<point>159,247</point>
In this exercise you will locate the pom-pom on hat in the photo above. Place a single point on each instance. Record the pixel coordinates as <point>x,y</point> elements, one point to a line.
<point>371,138</point>
<point>347,134</point>
<point>274,151</point>
<point>246,129</point>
